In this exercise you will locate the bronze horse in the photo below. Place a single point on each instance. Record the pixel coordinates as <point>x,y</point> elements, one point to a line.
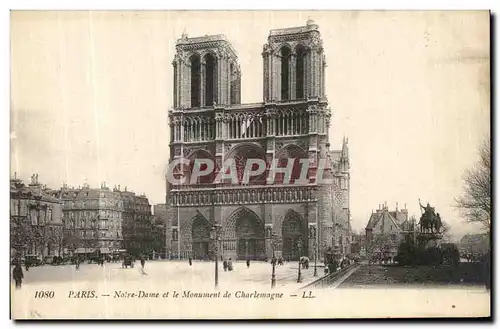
<point>430,221</point>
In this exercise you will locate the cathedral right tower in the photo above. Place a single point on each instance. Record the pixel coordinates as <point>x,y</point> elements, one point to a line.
<point>294,64</point>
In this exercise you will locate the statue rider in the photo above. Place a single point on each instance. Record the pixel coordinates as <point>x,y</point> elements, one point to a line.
<point>428,216</point>
<point>438,223</point>
<point>428,210</point>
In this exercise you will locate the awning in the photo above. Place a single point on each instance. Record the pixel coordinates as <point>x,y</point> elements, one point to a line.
<point>104,251</point>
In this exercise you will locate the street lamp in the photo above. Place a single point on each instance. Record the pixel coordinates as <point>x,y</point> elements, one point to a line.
<point>274,242</point>
<point>299,247</point>
<point>315,259</point>
<point>215,235</point>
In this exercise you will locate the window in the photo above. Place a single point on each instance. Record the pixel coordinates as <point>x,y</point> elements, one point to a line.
<point>34,217</point>
<point>285,73</point>
<point>14,207</point>
<point>300,73</point>
<point>49,215</point>
<point>210,76</point>
<point>195,81</point>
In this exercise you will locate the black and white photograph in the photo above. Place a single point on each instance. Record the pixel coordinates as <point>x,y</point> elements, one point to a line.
<point>230,164</point>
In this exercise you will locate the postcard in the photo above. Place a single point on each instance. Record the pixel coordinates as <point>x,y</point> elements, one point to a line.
<point>250,164</point>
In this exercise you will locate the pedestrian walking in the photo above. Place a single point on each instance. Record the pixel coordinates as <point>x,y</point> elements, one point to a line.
<point>248,263</point>
<point>77,262</point>
<point>143,262</point>
<point>230,265</point>
<point>18,275</point>
<point>27,265</point>
<point>224,264</point>
<point>190,261</point>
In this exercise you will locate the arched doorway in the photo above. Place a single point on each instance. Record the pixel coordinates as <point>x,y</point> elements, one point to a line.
<point>294,234</point>
<point>200,233</point>
<point>247,230</point>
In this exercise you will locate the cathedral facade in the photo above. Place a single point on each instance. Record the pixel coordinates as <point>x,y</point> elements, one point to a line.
<point>251,220</point>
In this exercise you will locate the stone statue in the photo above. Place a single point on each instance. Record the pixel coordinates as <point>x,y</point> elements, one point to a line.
<point>429,220</point>
<point>438,224</point>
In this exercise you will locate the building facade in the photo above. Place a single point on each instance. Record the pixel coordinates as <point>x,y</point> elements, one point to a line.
<point>208,121</point>
<point>92,218</point>
<point>386,229</point>
<point>138,228</point>
<point>163,224</point>
<point>36,226</point>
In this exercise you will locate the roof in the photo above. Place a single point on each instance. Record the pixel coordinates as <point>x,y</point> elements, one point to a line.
<point>19,190</point>
<point>407,225</point>
<point>335,155</point>
<point>311,26</point>
<point>384,216</point>
<point>206,40</point>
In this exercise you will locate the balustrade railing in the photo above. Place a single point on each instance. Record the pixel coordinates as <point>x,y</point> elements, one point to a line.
<point>245,123</point>
<point>248,195</point>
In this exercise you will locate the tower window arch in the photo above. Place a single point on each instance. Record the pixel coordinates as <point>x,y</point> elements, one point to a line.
<point>175,84</point>
<point>300,72</point>
<point>210,80</point>
<point>285,73</point>
<point>195,80</point>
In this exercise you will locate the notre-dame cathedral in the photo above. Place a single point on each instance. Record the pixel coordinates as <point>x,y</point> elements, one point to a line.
<point>208,121</point>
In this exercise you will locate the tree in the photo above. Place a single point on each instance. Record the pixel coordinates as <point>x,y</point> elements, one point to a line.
<point>475,201</point>
<point>378,248</point>
<point>407,252</point>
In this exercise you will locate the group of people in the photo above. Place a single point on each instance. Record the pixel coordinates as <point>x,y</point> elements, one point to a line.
<point>227,264</point>
<point>278,261</point>
<point>337,264</point>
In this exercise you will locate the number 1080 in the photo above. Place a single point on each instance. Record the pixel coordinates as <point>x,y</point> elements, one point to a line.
<point>44,294</point>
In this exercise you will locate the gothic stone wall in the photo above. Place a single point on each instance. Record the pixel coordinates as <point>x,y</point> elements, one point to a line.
<point>272,215</point>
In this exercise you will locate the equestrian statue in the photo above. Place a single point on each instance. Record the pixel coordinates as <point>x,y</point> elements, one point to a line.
<point>430,221</point>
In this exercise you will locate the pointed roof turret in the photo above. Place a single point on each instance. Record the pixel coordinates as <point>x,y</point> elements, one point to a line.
<point>345,148</point>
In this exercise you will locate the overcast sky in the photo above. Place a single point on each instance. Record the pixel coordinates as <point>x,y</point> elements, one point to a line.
<point>91,92</point>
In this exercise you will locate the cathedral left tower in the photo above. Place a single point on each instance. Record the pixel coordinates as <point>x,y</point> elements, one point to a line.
<point>206,72</point>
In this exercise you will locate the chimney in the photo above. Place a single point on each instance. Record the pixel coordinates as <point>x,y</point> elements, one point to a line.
<point>396,207</point>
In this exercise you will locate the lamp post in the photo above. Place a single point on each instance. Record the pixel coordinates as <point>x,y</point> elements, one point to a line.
<point>315,259</point>
<point>274,241</point>
<point>215,235</point>
<point>299,247</point>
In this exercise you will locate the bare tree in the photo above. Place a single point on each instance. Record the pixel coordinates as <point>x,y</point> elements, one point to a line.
<point>475,201</point>
<point>378,248</point>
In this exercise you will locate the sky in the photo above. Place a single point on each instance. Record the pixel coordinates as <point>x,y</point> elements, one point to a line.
<point>90,94</point>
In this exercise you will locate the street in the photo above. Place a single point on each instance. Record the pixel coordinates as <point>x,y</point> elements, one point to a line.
<point>174,274</point>
<point>95,292</point>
